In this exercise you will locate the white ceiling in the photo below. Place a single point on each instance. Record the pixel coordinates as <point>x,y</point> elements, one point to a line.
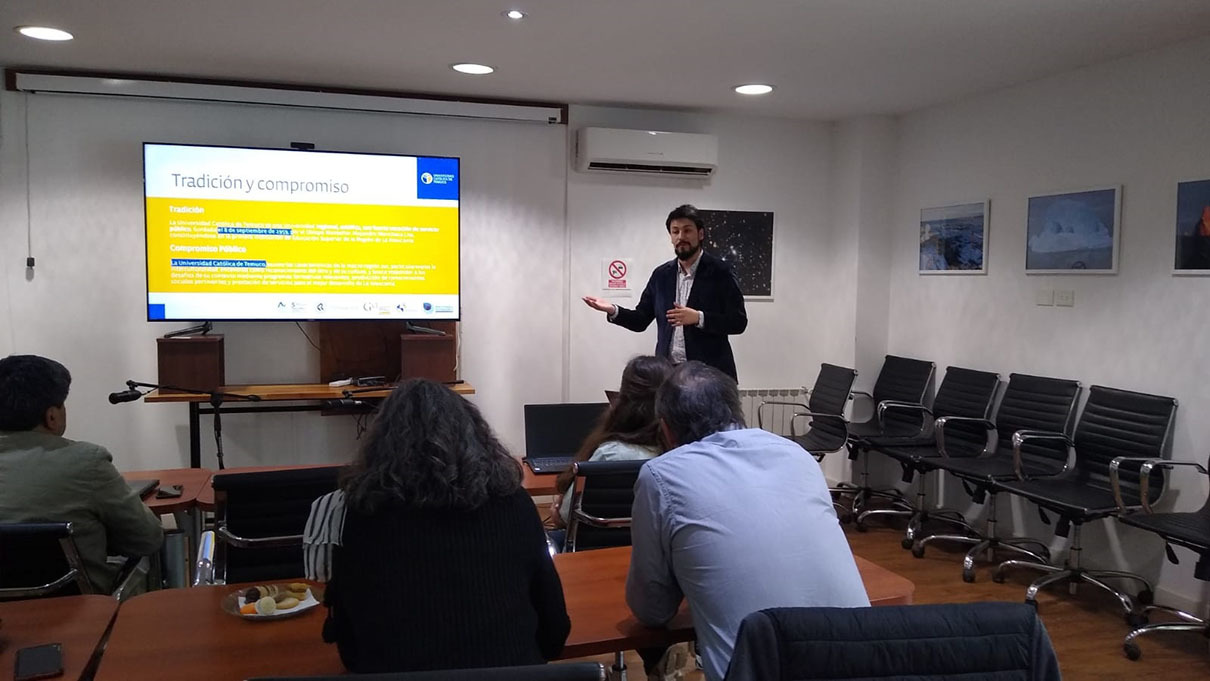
<point>828,58</point>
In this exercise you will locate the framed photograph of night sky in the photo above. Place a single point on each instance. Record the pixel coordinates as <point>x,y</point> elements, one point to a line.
<point>744,240</point>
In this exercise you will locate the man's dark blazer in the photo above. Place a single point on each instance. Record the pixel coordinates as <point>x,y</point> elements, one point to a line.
<point>715,293</point>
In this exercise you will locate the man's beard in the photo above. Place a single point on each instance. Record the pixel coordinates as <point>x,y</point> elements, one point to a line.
<point>688,253</point>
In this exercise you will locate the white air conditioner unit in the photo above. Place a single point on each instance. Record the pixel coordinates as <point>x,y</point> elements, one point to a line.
<point>646,151</point>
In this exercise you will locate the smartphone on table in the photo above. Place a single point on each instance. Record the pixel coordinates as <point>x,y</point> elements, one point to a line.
<point>39,662</point>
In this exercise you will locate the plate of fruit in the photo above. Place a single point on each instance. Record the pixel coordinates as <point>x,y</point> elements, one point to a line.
<point>271,601</point>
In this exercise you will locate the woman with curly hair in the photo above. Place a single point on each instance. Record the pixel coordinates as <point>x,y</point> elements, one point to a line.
<point>434,555</point>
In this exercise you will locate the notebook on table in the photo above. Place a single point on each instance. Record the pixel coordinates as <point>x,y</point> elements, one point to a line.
<point>554,433</point>
<point>143,488</point>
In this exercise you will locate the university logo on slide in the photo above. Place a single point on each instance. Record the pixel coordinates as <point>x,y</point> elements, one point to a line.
<point>437,178</point>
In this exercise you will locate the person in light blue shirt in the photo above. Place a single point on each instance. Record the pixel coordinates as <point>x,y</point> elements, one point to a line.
<point>733,519</point>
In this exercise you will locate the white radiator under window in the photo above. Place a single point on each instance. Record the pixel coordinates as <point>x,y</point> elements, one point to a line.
<point>776,418</point>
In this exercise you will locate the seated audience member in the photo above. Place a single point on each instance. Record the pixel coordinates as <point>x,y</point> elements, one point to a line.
<point>434,555</point>
<point>627,431</point>
<point>46,477</point>
<point>733,519</point>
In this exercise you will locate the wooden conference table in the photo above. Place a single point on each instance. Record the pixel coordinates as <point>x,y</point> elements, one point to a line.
<point>271,397</point>
<point>186,629</point>
<point>77,622</point>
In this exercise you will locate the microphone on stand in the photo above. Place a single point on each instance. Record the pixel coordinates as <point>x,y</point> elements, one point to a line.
<point>129,395</point>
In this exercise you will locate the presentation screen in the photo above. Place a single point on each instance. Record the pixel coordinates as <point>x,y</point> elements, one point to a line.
<point>270,234</point>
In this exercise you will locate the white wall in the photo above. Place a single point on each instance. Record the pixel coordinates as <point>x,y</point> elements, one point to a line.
<point>1138,122</point>
<point>85,304</point>
<point>765,164</point>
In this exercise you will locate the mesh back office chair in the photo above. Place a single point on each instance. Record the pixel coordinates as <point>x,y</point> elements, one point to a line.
<point>964,393</point>
<point>1190,530</point>
<point>827,431</point>
<point>574,671</point>
<point>964,641</point>
<point>903,380</point>
<point>259,521</point>
<point>1029,404</point>
<point>39,559</point>
<point>1117,430</point>
<point>600,505</point>
<point>600,513</point>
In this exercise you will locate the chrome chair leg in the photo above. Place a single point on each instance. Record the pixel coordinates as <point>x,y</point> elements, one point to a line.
<point>1175,612</point>
<point>1119,574</point>
<point>1056,575</point>
<point>617,672</point>
<point>998,575</point>
<point>1132,649</point>
<point>1127,604</point>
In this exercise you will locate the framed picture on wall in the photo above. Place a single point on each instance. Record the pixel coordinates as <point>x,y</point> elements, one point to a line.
<point>953,239</point>
<point>1193,228</point>
<point>1074,232</point>
<point>744,240</point>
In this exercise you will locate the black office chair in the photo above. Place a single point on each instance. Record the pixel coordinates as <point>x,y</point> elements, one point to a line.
<point>1029,404</point>
<point>964,393</point>
<point>912,642</point>
<point>259,521</point>
<point>40,559</point>
<point>827,431</point>
<point>571,671</point>
<point>902,380</point>
<point>1116,430</point>
<point>1190,530</point>
<point>600,505</point>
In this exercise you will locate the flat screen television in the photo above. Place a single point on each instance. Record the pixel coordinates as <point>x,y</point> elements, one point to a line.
<point>236,233</point>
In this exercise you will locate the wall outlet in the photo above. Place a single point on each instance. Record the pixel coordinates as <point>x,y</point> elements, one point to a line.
<point>1065,298</point>
<point>1045,296</point>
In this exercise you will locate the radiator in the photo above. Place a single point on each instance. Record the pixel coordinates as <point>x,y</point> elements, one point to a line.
<point>775,417</point>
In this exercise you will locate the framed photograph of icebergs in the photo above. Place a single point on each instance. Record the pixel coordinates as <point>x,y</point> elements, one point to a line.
<point>1192,228</point>
<point>953,239</point>
<point>1074,232</point>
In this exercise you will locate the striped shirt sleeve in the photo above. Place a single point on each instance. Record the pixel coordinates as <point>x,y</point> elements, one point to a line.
<point>322,535</point>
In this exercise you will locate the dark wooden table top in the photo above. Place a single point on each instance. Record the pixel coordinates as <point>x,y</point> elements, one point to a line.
<point>203,643</point>
<point>78,623</point>
<point>284,392</point>
<point>594,586</point>
<point>191,480</point>
<point>538,485</point>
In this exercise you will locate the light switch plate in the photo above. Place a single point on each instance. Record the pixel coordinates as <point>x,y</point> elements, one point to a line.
<point>1065,298</point>
<point>1045,296</point>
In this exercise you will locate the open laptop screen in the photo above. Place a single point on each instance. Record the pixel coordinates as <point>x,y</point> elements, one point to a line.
<point>559,429</point>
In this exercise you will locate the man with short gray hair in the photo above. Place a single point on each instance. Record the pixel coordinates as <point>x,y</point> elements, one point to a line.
<point>734,519</point>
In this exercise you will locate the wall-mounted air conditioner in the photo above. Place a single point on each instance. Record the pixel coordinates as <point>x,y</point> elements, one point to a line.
<point>646,151</point>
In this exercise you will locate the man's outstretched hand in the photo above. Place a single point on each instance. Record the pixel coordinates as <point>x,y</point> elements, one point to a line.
<point>600,304</point>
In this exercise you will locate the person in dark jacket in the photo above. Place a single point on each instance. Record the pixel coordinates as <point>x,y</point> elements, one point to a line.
<point>693,298</point>
<point>435,557</point>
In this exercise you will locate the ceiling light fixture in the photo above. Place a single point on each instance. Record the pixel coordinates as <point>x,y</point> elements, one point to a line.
<point>754,89</point>
<point>515,14</point>
<point>473,69</point>
<point>43,33</point>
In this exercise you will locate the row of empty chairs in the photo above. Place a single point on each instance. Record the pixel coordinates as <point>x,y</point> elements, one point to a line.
<point>1108,464</point>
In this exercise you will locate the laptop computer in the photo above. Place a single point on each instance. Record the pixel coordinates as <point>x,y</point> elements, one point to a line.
<point>554,433</point>
<point>143,488</point>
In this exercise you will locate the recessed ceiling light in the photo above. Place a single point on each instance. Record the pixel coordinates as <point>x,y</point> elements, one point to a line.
<point>473,69</point>
<point>754,89</point>
<point>515,14</point>
<point>43,33</point>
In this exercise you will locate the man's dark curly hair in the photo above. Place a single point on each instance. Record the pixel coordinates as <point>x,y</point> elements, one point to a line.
<point>429,448</point>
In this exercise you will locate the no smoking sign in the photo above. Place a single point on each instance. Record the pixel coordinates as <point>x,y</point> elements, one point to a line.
<point>616,274</point>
